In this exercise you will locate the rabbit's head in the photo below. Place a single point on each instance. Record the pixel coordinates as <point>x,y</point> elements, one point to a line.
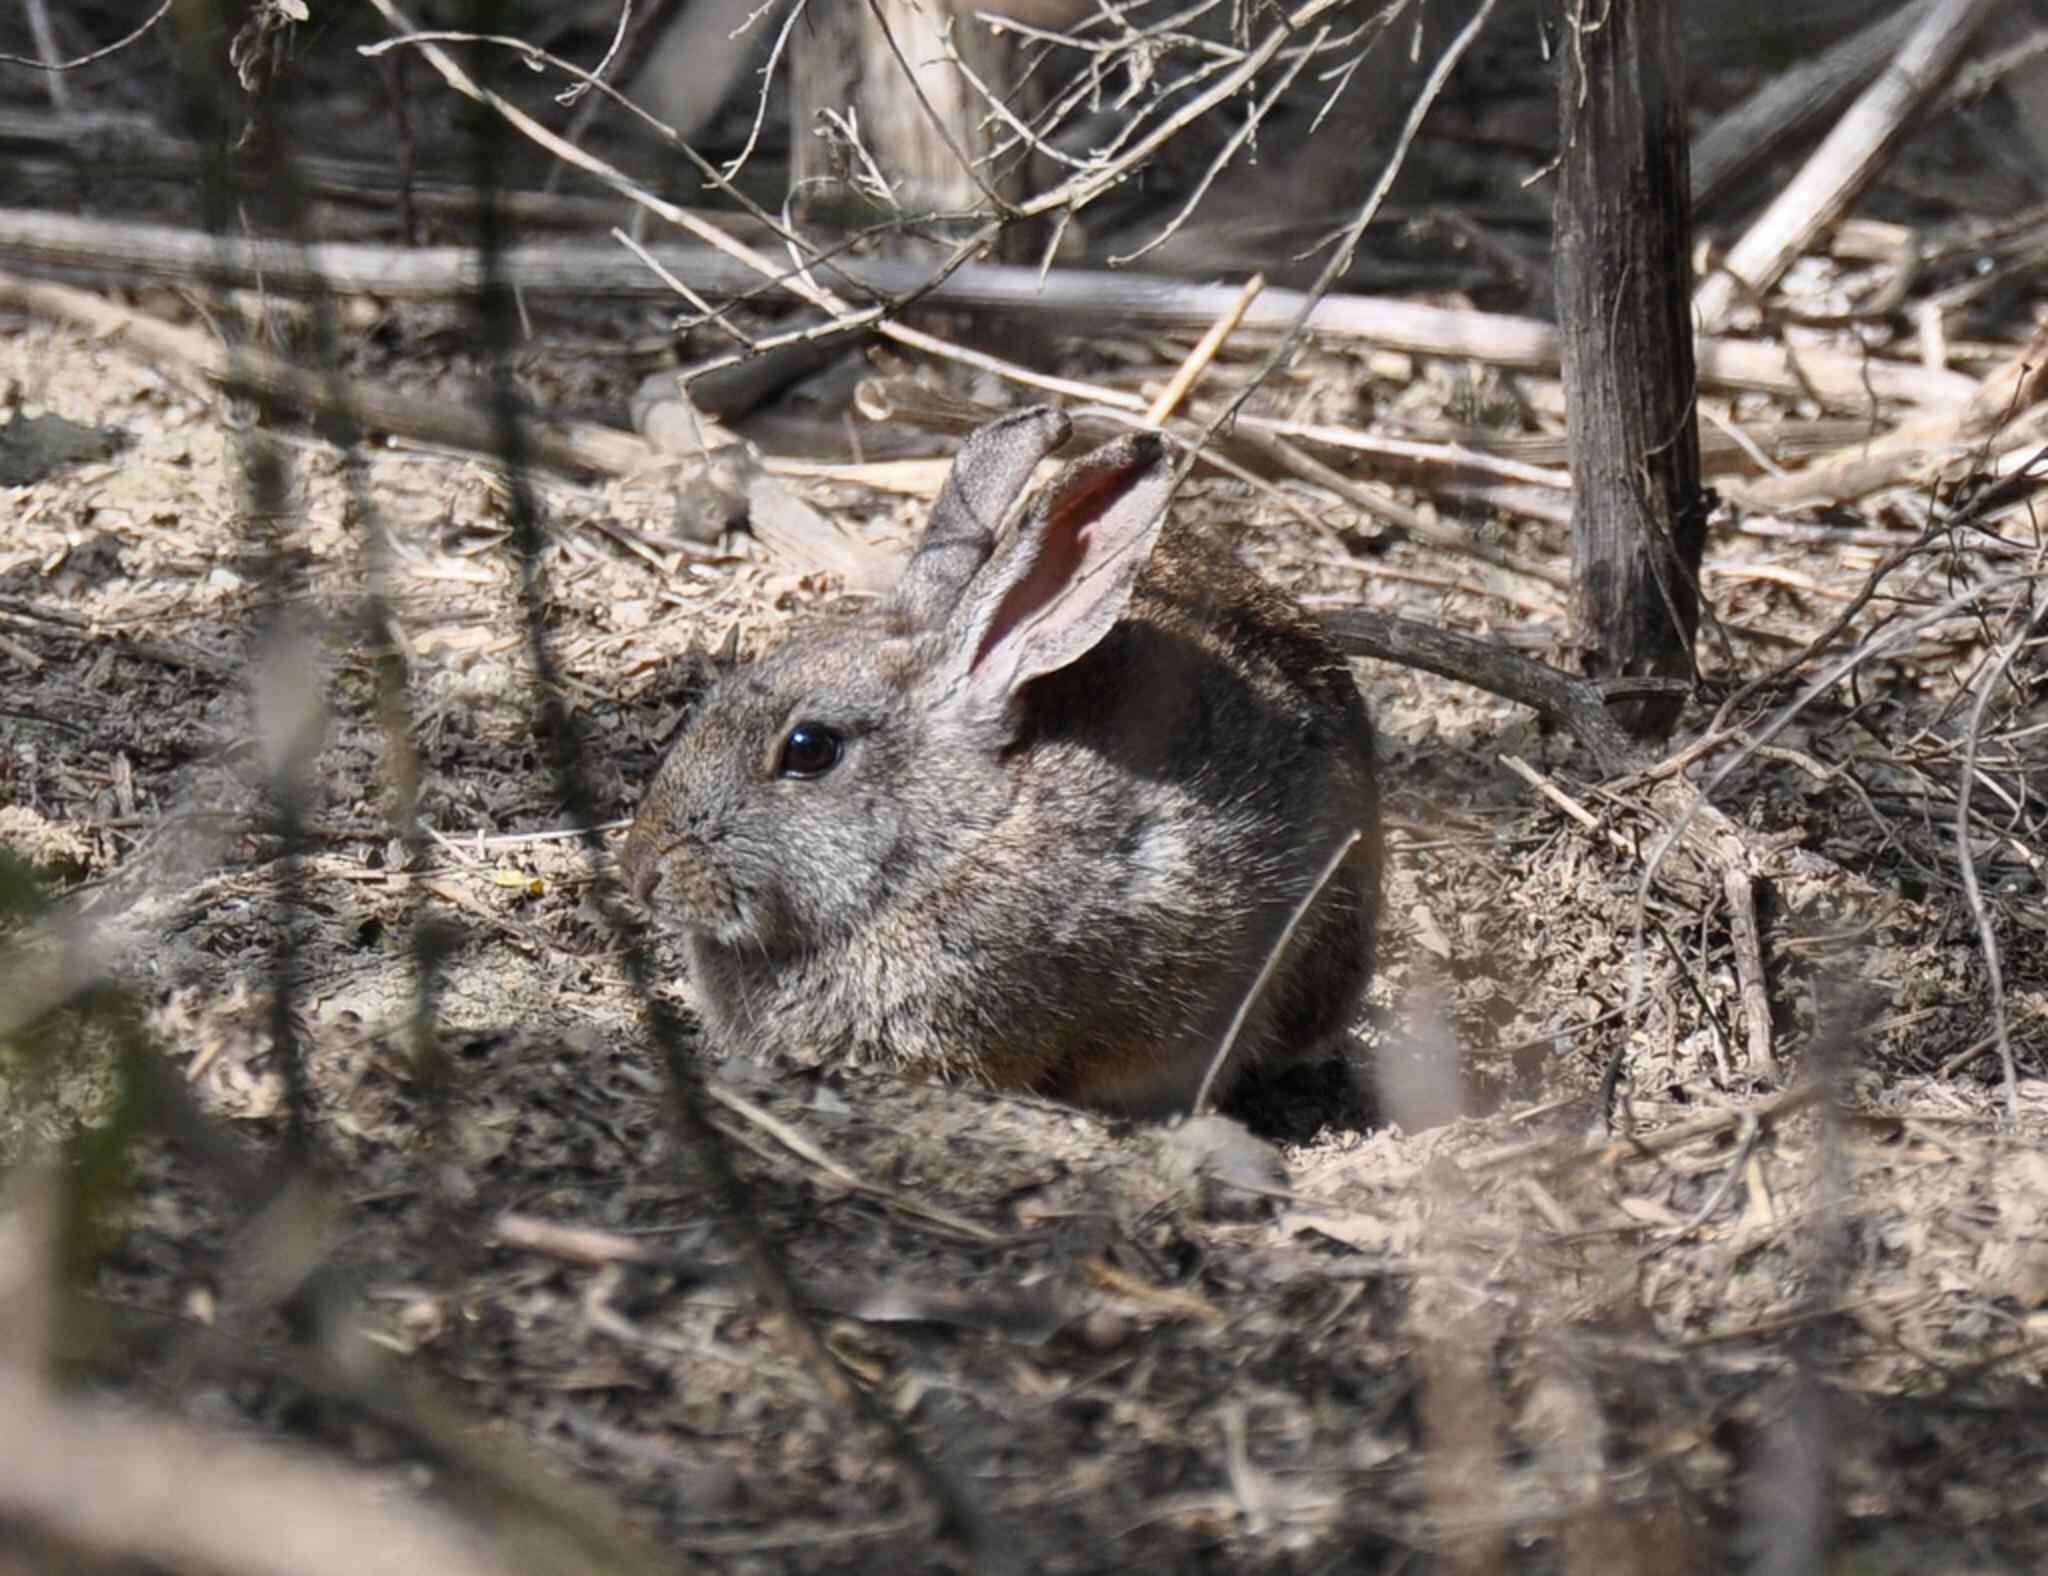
<point>853,760</point>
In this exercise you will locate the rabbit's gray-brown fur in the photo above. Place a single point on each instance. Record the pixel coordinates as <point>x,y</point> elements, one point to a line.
<point>1041,817</point>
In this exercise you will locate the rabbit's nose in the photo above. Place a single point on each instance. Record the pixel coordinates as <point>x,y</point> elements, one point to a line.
<point>639,866</point>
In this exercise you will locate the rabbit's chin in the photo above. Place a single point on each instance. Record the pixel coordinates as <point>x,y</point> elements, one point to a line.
<point>735,932</point>
<point>734,926</point>
<point>746,927</point>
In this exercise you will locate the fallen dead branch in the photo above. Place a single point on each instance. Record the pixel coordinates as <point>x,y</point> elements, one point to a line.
<point>1575,703</point>
<point>1792,101</point>
<point>1846,162</point>
<point>1070,300</point>
<point>567,445</point>
<point>784,523</point>
<point>2010,407</point>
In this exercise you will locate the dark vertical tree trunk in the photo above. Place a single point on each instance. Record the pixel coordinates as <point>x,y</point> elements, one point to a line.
<point>1624,238</point>
<point>929,140</point>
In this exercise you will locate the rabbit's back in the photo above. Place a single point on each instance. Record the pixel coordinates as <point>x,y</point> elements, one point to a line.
<point>1245,747</point>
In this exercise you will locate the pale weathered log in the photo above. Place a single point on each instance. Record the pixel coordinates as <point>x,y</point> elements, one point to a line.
<point>1793,101</point>
<point>1065,300</point>
<point>1846,162</point>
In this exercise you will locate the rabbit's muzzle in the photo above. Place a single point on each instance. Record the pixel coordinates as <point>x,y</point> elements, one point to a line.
<point>643,861</point>
<point>640,868</point>
<point>667,871</point>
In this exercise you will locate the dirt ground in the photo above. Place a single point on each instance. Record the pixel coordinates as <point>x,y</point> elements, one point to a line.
<point>1561,1276</point>
<point>1491,1329</point>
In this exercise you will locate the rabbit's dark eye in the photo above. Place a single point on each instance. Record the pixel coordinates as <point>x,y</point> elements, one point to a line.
<point>811,750</point>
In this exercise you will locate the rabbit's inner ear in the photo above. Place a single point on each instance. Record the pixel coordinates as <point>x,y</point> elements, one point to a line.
<point>1066,578</point>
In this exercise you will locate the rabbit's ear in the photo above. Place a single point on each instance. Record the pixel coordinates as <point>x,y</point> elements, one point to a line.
<point>989,475</point>
<point>1061,583</point>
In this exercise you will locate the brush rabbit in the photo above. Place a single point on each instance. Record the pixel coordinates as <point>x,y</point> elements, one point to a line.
<point>1040,818</point>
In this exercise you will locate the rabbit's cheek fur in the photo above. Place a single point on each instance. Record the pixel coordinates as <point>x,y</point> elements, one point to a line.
<point>840,849</point>
<point>784,867</point>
